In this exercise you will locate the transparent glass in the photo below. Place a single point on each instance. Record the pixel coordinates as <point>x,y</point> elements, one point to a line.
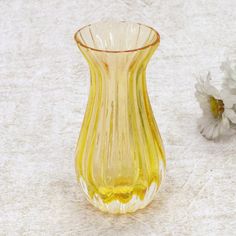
<point>120,160</point>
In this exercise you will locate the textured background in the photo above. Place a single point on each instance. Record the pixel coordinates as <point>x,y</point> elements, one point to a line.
<point>44,86</point>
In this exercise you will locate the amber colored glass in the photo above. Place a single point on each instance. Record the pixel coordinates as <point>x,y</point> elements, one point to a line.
<point>120,160</point>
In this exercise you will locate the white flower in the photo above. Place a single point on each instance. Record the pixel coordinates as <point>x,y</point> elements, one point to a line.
<point>218,111</point>
<point>229,76</point>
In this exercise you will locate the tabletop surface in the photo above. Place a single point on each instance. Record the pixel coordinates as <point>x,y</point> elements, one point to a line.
<point>44,86</point>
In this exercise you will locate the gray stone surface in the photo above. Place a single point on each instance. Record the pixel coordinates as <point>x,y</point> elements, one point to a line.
<point>44,84</point>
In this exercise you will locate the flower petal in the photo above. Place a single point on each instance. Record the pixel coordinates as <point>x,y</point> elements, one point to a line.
<point>204,90</point>
<point>214,92</point>
<point>231,83</point>
<point>216,132</point>
<point>208,127</point>
<point>224,125</point>
<point>228,99</point>
<point>231,115</point>
<point>229,71</point>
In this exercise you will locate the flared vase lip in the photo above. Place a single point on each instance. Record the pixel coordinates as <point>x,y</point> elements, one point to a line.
<point>78,41</point>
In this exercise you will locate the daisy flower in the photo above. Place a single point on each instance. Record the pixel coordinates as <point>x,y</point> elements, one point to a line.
<point>218,109</point>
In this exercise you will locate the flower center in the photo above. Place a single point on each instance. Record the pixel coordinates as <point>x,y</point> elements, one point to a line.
<point>217,107</point>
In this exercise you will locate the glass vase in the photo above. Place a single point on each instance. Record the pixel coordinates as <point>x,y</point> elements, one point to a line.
<point>120,160</point>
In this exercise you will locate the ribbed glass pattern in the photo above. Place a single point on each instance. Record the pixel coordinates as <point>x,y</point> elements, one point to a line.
<point>120,160</point>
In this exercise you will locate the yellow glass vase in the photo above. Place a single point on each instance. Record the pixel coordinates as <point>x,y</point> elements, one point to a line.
<point>120,160</point>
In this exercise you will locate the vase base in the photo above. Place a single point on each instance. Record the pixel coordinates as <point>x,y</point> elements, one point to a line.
<point>116,206</point>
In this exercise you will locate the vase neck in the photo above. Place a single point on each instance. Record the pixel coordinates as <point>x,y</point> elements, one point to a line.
<point>117,65</point>
<point>118,87</point>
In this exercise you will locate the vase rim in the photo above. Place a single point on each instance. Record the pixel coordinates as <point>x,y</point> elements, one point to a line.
<point>78,41</point>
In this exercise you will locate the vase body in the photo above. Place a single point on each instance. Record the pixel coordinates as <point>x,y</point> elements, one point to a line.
<point>120,160</point>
